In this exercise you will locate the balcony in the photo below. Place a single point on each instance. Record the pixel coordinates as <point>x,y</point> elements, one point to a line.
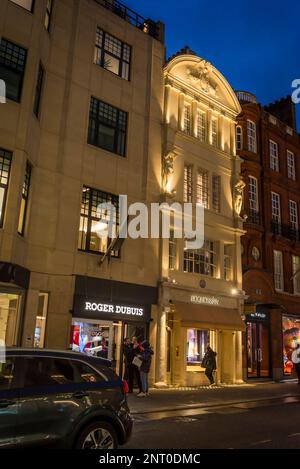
<point>287,231</point>
<point>148,26</point>
<point>253,217</point>
<point>246,97</point>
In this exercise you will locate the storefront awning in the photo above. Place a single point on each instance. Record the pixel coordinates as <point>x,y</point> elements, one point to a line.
<point>210,317</point>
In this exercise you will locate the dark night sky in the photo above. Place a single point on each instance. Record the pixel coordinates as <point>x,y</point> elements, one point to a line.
<point>254,43</point>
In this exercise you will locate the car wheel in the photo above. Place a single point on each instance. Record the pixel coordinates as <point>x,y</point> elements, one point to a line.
<point>98,435</point>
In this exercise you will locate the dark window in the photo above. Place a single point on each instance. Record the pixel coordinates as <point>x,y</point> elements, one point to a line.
<point>94,220</point>
<point>12,68</point>
<point>107,127</point>
<point>44,371</point>
<point>38,90</point>
<point>5,164</point>
<point>112,54</point>
<point>86,374</point>
<point>7,374</point>
<point>48,14</point>
<point>24,201</point>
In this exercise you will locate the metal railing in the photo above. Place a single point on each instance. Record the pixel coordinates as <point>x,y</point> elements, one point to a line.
<point>148,26</point>
<point>246,97</point>
<point>287,231</point>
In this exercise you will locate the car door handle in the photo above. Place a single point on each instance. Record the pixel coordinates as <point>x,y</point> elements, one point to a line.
<point>4,404</point>
<point>80,394</point>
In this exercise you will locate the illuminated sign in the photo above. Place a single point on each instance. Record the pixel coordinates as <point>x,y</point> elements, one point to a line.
<point>114,309</point>
<point>206,300</point>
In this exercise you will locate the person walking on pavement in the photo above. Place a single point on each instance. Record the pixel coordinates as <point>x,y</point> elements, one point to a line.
<point>146,358</point>
<point>210,364</point>
<point>296,361</point>
<point>133,369</point>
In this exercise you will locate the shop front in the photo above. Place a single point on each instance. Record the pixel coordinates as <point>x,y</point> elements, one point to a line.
<point>105,312</point>
<point>291,338</point>
<point>195,323</point>
<point>258,338</point>
<point>14,282</point>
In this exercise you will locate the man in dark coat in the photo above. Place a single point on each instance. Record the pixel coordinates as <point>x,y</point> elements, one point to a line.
<point>210,364</point>
<point>146,358</point>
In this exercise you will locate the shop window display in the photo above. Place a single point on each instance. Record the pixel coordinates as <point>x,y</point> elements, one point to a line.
<point>197,341</point>
<point>291,337</point>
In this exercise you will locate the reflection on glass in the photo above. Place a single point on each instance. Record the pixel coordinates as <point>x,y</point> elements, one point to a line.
<point>291,337</point>
<point>9,318</point>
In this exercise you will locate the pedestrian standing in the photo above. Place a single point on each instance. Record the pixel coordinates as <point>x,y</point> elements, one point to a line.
<point>128,357</point>
<point>296,361</point>
<point>133,369</point>
<point>146,358</point>
<point>210,364</point>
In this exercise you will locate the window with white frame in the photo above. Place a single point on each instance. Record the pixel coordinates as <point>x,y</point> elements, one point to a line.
<point>216,192</point>
<point>187,124</point>
<point>274,160</point>
<point>201,126</point>
<point>228,262</point>
<point>201,261</point>
<point>291,170</point>
<point>251,136</point>
<point>202,187</point>
<point>276,211</point>
<point>214,132</point>
<point>293,209</point>
<point>278,271</point>
<point>239,138</point>
<point>172,250</point>
<point>296,274</point>
<point>253,194</point>
<point>188,184</point>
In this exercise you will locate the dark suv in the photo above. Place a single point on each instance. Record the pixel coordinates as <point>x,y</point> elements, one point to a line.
<point>64,399</point>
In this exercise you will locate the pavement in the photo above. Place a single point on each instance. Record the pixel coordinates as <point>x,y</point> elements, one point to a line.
<point>256,415</point>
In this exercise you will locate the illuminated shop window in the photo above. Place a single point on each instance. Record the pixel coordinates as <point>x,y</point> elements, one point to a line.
<point>41,319</point>
<point>112,54</point>
<point>291,337</point>
<point>94,221</point>
<point>27,4</point>
<point>197,342</point>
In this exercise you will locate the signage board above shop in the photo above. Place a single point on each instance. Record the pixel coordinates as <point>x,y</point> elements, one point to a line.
<point>205,300</point>
<point>95,308</point>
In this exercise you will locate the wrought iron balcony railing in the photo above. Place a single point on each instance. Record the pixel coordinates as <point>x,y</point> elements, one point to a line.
<point>253,217</point>
<point>146,25</point>
<point>287,231</point>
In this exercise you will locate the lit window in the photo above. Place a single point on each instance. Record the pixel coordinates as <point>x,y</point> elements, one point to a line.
<point>94,221</point>
<point>112,54</point>
<point>291,165</point>
<point>107,127</point>
<point>41,319</point>
<point>188,184</point>
<point>274,160</point>
<point>38,90</point>
<point>12,68</point>
<point>48,14</point>
<point>27,4</point>
<point>214,132</point>
<point>197,342</point>
<point>172,250</point>
<point>24,200</point>
<point>201,126</point>
<point>202,188</point>
<point>5,164</point>
<point>201,261</point>
<point>251,136</point>
<point>187,127</point>
<point>239,138</point>
<point>216,193</point>
<point>278,271</point>
<point>228,262</point>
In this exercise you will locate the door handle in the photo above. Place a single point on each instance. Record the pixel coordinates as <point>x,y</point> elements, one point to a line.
<point>80,394</point>
<point>4,404</point>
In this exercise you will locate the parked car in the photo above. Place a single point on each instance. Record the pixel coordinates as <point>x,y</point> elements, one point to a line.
<point>64,399</point>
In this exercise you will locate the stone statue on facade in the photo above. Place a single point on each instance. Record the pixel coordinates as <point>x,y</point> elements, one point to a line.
<point>238,195</point>
<point>167,170</point>
<point>200,74</point>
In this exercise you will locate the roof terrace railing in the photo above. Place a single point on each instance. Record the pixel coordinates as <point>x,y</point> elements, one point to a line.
<point>148,26</point>
<point>246,97</point>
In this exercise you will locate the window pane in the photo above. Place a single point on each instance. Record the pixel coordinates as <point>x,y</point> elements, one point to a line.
<point>112,54</point>
<point>40,324</point>
<point>12,67</point>
<point>47,372</point>
<point>86,374</point>
<point>111,63</point>
<point>197,342</point>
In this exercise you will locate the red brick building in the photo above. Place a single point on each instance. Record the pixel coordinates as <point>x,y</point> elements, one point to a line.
<point>269,145</point>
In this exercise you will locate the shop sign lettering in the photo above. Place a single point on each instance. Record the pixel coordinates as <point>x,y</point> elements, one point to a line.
<point>206,300</point>
<point>114,309</point>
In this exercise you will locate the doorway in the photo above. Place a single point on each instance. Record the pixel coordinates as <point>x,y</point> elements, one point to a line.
<point>258,349</point>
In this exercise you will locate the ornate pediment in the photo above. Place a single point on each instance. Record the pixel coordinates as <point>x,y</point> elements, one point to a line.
<point>200,75</point>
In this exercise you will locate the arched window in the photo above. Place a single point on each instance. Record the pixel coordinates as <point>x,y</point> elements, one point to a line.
<point>239,138</point>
